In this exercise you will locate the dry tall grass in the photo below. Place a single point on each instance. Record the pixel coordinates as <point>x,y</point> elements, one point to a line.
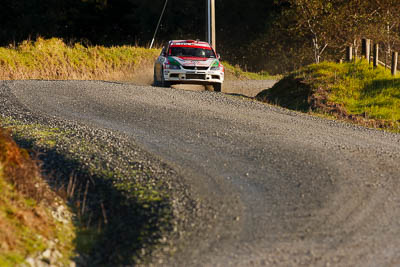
<point>54,60</point>
<point>20,170</point>
<point>26,224</point>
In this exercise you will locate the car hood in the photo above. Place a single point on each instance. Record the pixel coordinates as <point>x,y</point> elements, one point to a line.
<point>193,61</point>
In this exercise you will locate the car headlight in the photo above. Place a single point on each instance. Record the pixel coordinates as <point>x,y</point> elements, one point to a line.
<point>220,68</point>
<point>172,67</point>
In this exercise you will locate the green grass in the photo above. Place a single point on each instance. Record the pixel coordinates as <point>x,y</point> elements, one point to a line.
<point>15,210</point>
<point>137,213</point>
<point>26,226</point>
<point>354,91</point>
<point>53,59</point>
<point>235,72</point>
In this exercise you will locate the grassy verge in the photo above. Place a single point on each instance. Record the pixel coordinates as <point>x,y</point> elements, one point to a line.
<point>355,92</point>
<point>27,226</point>
<point>236,73</point>
<point>122,210</point>
<point>55,60</point>
<point>52,59</point>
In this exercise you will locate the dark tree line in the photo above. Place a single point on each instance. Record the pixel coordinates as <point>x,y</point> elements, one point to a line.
<point>273,35</point>
<point>115,22</point>
<point>105,22</point>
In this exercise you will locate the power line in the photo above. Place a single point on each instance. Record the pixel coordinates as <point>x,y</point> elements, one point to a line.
<point>158,24</point>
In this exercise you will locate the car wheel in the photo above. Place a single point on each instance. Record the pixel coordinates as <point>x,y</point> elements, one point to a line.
<point>217,87</point>
<point>164,83</point>
<point>155,81</point>
<point>208,87</point>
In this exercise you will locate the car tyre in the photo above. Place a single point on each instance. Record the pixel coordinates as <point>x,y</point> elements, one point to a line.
<point>155,81</point>
<point>217,87</point>
<point>208,87</point>
<point>164,83</point>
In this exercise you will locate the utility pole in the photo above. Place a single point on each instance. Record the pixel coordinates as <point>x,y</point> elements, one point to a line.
<point>211,37</point>
<point>158,24</point>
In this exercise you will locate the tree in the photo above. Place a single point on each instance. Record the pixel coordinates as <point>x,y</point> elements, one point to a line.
<point>313,21</point>
<point>354,19</point>
<point>387,23</point>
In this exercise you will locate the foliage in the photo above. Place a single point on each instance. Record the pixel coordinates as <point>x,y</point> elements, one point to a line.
<point>26,223</point>
<point>121,210</point>
<point>19,169</point>
<point>235,72</point>
<point>276,36</point>
<point>337,23</point>
<point>314,18</point>
<point>352,91</point>
<point>53,59</point>
<point>128,22</point>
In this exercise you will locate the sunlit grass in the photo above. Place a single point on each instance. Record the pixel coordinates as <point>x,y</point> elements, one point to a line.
<point>355,91</point>
<point>53,59</point>
<point>26,222</point>
<point>236,72</point>
<point>362,89</point>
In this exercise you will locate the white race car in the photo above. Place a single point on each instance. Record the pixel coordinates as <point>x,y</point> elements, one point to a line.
<point>188,61</point>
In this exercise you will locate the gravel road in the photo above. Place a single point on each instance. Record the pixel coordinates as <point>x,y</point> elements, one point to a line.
<point>274,187</point>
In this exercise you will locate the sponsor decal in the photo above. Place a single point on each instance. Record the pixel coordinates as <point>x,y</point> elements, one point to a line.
<point>191,61</point>
<point>215,64</point>
<point>207,47</point>
<point>173,61</point>
<point>202,45</point>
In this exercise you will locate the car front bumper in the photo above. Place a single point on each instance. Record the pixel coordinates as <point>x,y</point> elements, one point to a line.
<point>198,77</point>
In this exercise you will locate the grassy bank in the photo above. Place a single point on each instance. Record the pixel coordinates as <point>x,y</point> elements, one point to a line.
<point>121,206</point>
<point>53,59</point>
<point>236,73</point>
<point>27,226</point>
<point>352,91</point>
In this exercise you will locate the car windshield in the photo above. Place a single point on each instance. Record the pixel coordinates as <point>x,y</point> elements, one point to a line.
<point>191,52</point>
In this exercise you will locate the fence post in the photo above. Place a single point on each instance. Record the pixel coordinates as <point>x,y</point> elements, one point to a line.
<point>376,55</point>
<point>349,53</point>
<point>366,49</point>
<point>395,56</point>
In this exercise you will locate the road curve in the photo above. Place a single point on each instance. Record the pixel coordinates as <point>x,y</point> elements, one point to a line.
<point>283,188</point>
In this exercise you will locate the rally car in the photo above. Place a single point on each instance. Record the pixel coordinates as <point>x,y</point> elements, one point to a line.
<point>188,61</point>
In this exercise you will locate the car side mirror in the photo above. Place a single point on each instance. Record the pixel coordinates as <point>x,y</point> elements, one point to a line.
<point>218,56</point>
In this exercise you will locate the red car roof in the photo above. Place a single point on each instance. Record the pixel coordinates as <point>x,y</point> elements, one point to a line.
<point>190,43</point>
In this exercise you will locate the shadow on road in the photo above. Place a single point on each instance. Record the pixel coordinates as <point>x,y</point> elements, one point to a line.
<point>114,227</point>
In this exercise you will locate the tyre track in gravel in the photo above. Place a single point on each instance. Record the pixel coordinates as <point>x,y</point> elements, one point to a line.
<point>283,188</point>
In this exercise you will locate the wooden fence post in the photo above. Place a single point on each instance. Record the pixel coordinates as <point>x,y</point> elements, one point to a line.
<point>349,53</point>
<point>366,49</point>
<point>395,56</point>
<point>363,46</point>
<point>376,55</point>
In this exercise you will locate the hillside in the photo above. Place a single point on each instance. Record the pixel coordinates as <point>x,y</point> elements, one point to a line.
<point>355,92</point>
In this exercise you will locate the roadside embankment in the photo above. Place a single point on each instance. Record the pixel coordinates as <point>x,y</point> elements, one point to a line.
<point>354,92</point>
<point>35,224</point>
<point>52,59</point>
<point>126,204</point>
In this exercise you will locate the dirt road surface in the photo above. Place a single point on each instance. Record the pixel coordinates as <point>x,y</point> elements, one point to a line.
<point>276,187</point>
